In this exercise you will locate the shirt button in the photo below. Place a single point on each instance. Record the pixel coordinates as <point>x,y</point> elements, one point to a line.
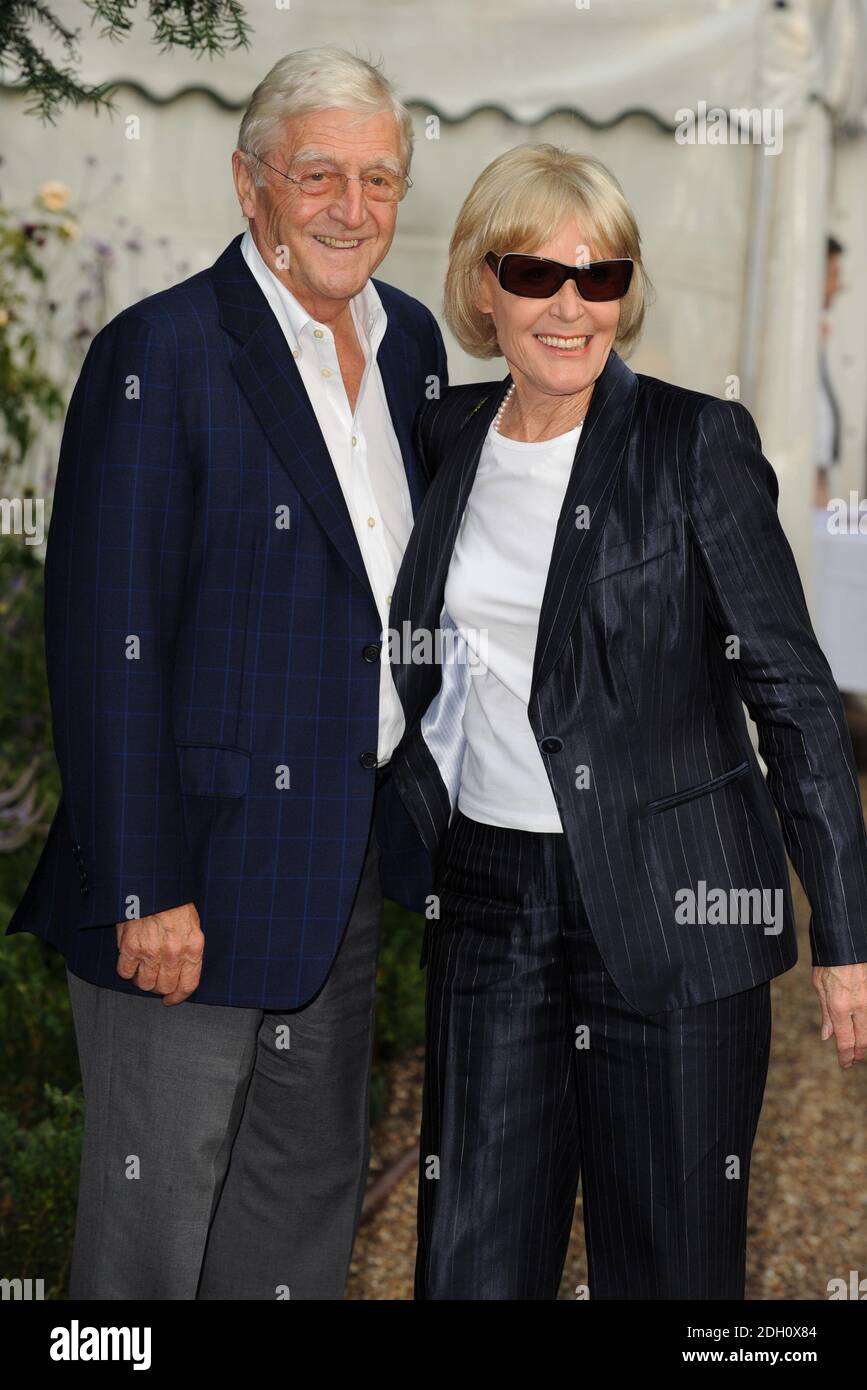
<point>371,521</point>
<point>317,333</point>
<point>296,352</point>
<point>354,440</point>
<point>326,371</point>
<point>388,599</point>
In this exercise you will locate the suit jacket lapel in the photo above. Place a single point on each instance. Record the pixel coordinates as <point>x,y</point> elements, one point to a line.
<point>418,593</point>
<point>395,354</point>
<point>462,468</point>
<point>267,374</point>
<point>595,470</point>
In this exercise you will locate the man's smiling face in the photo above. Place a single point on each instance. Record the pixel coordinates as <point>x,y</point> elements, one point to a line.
<point>332,243</point>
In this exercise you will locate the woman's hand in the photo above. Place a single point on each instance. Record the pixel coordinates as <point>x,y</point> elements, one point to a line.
<point>842,991</point>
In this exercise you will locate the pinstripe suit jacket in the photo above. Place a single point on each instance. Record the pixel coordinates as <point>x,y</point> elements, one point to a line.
<point>212,646</point>
<point>637,690</point>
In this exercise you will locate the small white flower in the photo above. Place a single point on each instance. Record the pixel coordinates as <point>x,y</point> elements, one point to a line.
<point>53,196</point>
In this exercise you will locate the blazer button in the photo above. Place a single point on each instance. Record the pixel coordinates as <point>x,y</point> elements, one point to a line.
<point>371,652</point>
<point>368,759</point>
<point>84,890</point>
<point>551,744</point>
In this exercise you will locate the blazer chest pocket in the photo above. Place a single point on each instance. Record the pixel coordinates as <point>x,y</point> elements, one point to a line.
<point>209,770</point>
<point>614,559</point>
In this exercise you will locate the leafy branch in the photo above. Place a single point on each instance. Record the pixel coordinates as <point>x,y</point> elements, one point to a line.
<point>211,27</point>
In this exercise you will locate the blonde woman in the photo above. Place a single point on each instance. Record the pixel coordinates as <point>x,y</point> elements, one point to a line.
<point>612,898</point>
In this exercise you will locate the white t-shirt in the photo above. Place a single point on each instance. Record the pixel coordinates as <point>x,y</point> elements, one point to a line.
<point>494,589</point>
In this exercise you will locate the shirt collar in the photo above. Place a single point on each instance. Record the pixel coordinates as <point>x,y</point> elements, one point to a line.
<point>366,307</point>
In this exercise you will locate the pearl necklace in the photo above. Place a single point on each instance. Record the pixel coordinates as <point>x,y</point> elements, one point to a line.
<point>505,401</point>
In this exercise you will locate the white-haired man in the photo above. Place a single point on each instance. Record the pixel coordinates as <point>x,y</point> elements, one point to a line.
<point>224,543</point>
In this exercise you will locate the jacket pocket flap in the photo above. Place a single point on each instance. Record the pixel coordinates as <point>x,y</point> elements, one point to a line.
<point>611,559</point>
<point>207,770</point>
<point>663,803</point>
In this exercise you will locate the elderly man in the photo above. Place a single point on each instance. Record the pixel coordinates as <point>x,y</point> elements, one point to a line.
<point>237,484</point>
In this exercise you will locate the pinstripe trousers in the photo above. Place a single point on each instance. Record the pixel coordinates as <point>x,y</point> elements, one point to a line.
<point>538,1070</point>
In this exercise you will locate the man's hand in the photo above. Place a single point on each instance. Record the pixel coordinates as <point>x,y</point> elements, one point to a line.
<point>163,953</point>
<point>842,991</point>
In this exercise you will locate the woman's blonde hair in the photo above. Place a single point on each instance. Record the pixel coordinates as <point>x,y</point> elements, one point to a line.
<point>518,203</point>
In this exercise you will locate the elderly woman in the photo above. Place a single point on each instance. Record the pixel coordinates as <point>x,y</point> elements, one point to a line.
<point>603,552</point>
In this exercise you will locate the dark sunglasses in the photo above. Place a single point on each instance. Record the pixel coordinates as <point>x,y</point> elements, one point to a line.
<point>534,277</point>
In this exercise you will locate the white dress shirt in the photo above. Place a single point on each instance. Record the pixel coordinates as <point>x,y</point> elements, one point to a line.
<point>493,593</point>
<point>363,448</point>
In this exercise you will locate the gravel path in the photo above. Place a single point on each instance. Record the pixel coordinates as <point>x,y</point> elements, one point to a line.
<point>808,1190</point>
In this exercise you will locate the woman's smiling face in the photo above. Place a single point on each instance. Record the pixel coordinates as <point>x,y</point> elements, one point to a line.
<point>559,345</point>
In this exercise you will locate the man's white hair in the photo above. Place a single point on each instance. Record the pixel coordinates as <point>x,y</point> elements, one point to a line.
<point>315,79</point>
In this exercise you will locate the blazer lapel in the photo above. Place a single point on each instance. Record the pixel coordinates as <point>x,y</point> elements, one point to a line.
<point>396,352</point>
<point>595,470</point>
<point>594,474</point>
<point>467,450</point>
<point>267,374</point>
<point>418,594</point>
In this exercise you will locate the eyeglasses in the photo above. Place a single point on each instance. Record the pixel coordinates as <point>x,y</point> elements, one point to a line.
<point>534,277</point>
<point>380,186</point>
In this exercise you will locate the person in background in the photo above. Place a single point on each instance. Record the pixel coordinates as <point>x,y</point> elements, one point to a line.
<point>828,408</point>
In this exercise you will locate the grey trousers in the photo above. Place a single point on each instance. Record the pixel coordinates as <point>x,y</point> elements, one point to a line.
<point>226,1150</point>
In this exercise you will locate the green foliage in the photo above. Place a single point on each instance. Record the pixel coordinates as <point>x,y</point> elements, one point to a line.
<point>27,393</point>
<point>202,26</point>
<point>400,983</point>
<point>38,1187</point>
<point>37,1039</point>
<point>25,714</point>
<point>40,1114</point>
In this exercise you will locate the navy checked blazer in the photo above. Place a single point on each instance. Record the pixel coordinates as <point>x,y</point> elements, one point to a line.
<point>213,647</point>
<point>637,691</point>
